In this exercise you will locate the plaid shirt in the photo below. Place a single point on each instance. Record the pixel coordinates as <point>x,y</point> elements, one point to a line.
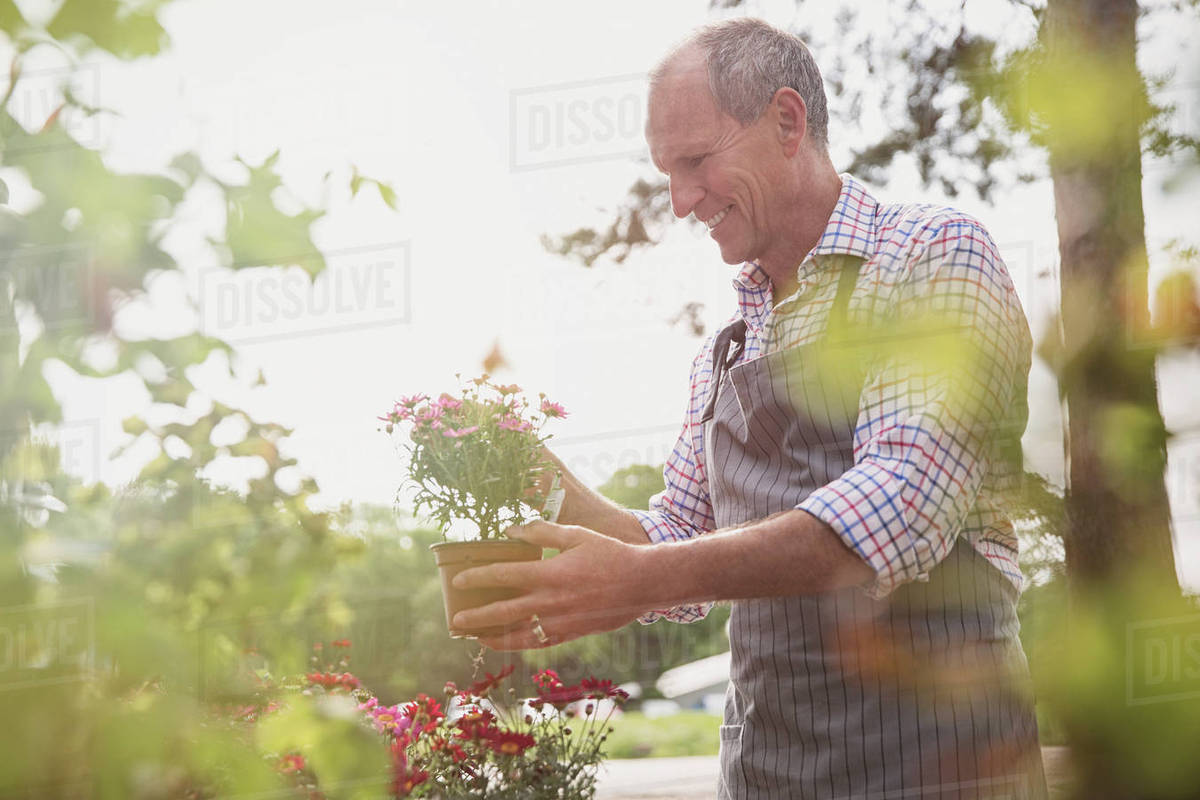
<point>926,465</point>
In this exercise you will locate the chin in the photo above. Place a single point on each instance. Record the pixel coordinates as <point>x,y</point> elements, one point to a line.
<point>733,256</point>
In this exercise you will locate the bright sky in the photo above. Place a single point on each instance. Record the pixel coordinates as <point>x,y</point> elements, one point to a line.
<point>496,123</point>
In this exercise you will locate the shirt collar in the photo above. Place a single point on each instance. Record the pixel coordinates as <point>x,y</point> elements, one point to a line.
<point>850,231</point>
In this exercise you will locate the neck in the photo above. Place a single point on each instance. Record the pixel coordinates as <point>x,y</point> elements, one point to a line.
<point>815,197</point>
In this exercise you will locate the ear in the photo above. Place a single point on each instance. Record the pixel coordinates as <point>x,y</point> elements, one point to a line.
<point>791,115</point>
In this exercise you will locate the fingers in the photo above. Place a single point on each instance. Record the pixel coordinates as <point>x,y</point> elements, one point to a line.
<point>518,639</point>
<point>546,534</point>
<point>508,574</point>
<point>500,614</point>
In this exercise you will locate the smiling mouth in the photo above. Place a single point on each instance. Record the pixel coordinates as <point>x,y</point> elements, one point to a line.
<point>716,219</point>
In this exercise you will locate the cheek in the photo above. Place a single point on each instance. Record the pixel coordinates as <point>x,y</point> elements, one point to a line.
<point>748,191</point>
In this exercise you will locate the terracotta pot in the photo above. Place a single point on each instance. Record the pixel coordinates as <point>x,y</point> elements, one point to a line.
<point>454,557</point>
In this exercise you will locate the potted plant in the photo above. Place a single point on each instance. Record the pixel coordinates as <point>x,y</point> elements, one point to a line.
<point>476,457</point>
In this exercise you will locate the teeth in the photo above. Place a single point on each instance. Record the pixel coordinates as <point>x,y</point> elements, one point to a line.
<point>715,220</point>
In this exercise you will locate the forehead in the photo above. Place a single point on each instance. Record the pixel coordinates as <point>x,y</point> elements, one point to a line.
<point>682,117</point>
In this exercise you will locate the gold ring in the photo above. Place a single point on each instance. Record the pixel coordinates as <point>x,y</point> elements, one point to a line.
<point>538,630</point>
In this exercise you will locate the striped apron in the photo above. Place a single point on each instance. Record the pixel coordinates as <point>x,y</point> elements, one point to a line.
<point>921,694</point>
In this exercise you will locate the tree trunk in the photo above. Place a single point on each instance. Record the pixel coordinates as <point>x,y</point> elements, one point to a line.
<point>1120,561</point>
<point>1119,519</point>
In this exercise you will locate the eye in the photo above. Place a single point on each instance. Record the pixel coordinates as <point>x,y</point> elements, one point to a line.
<point>696,161</point>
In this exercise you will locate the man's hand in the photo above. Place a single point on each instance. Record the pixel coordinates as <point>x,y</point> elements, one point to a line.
<point>582,506</point>
<point>539,493</point>
<point>591,586</point>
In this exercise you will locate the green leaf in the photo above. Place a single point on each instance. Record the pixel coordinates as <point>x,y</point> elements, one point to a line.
<point>388,194</point>
<point>11,20</point>
<point>189,164</point>
<point>124,29</point>
<point>259,234</point>
<point>347,758</point>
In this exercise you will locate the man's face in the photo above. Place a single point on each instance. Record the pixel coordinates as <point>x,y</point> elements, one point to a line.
<point>729,177</point>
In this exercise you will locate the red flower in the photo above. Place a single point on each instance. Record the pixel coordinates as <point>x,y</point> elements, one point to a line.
<point>333,680</point>
<point>341,642</point>
<point>406,781</point>
<point>456,753</point>
<point>424,712</point>
<point>291,763</point>
<point>601,689</point>
<point>559,696</point>
<point>510,743</point>
<point>475,725</point>
<point>546,678</point>
<point>481,688</point>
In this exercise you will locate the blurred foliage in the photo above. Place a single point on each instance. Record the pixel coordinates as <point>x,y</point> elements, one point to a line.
<point>633,486</point>
<point>125,616</point>
<point>688,733</point>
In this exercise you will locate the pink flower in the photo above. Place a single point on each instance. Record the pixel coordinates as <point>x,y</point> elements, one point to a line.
<point>510,423</point>
<point>431,416</point>
<point>411,402</point>
<point>447,402</point>
<point>458,433</point>
<point>553,409</point>
<point>389,718</point>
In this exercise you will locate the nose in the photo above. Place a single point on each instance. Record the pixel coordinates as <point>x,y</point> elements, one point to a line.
<point>685,195</point>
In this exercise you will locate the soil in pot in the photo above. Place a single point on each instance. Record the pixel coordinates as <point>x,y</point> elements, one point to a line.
<point>454,557</point>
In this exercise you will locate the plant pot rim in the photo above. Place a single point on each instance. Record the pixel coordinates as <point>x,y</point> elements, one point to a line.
<point>503,540</point>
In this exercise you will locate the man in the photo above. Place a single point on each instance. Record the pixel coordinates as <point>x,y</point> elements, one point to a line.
<point>841,467</point>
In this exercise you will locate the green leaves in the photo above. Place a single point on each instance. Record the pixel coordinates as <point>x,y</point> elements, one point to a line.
<point>125,28</point>
<point>182,579</point>
<point>258,233</point>
<point>348,758</point>
<point>386,192</point>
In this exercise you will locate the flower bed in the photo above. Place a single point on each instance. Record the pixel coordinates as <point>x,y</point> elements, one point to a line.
<point>477,741</point>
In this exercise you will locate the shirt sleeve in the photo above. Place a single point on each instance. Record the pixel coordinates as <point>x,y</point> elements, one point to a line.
<point>944,393</point>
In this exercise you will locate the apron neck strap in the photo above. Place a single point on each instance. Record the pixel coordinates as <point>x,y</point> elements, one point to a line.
<point>735,333</point>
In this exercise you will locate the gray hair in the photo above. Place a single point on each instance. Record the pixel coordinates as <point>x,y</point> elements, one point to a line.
<point>748,61</point>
